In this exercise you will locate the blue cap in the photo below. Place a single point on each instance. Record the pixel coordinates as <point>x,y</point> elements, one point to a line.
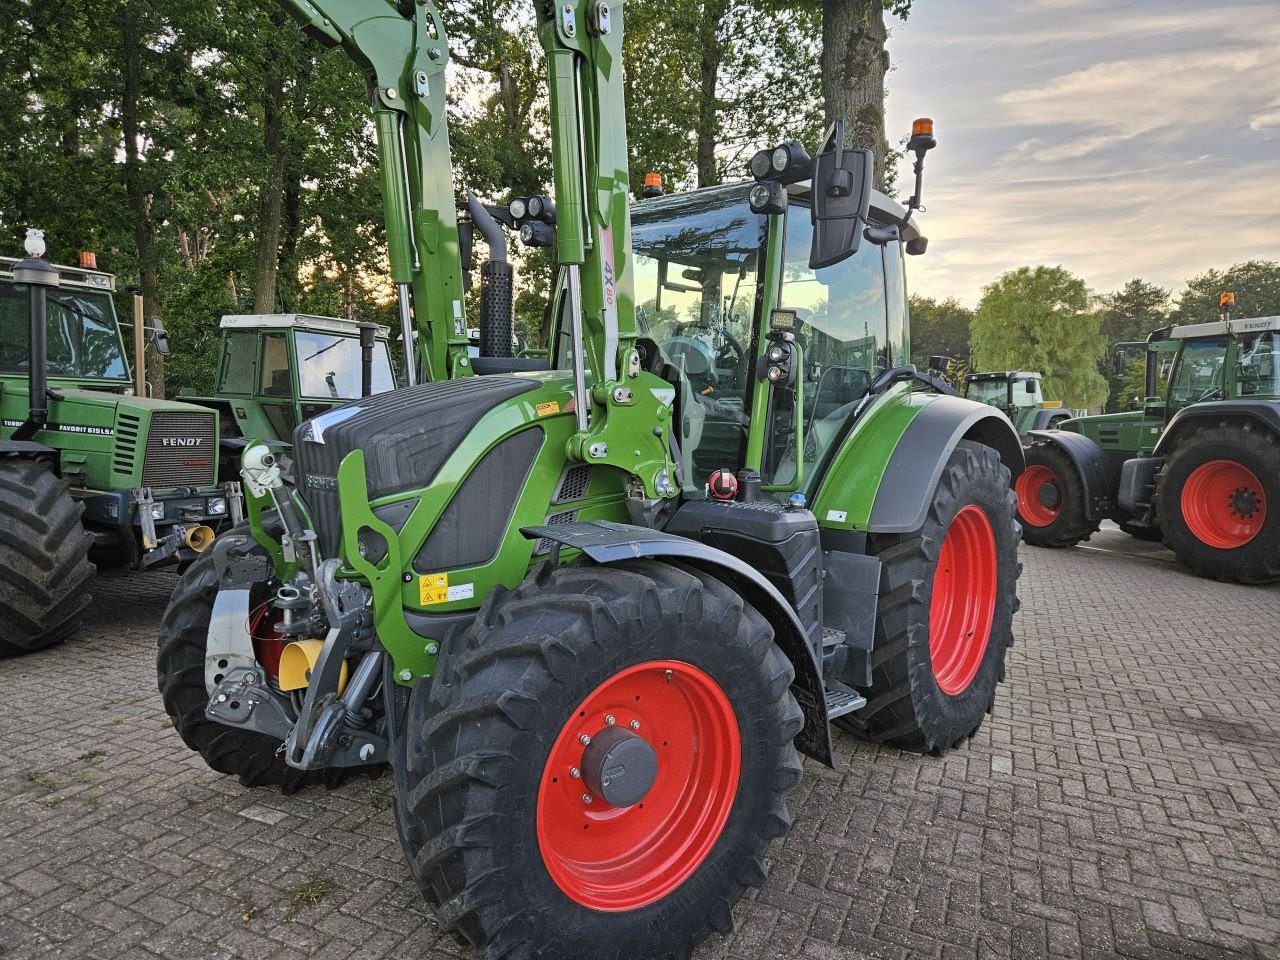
<point>797,501</point>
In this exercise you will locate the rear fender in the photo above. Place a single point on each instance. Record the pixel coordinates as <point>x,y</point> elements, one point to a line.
<point>1089,463</point>
<point>606,543</point>
<point>1264,413</point>
<point>30,450</point>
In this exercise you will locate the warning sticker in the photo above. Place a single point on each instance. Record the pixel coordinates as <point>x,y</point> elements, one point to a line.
<point>548,408</point>
<point>433,588</point>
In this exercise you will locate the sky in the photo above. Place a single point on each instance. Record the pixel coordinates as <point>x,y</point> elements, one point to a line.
<point>1116,138</point>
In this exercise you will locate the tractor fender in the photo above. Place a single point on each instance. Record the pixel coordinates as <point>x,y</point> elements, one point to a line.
<point>1265,413</point>
<point>1090,464</point>
<point>606,542</point>
<point>1046,415</point>
<point>29,450</point>
<point>916,464</point>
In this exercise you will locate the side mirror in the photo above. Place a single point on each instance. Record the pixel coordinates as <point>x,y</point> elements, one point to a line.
<point>1119,362</point>
<point>940,362</point>
<point>1031,386</point>
<point>841,197</point>
<point>160,336</point>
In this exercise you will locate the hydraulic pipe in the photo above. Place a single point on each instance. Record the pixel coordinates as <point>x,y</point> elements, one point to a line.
<point>406,335</point>
<point>573,290</point>
<point>39,278</point>
<point>367,331</point>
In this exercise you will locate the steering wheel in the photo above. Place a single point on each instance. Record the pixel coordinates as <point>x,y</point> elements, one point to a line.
<point>690,355</point>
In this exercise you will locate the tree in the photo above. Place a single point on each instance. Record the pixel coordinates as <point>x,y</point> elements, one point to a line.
<point>939,328</point>
<point>1256,284</point>
<point>1041,319</point>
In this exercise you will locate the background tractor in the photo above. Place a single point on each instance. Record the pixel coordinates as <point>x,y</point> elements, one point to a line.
<point>276,370</point>
<point>1018,394</point>
<point>91,470</point>
<point>1197,467</point>
<point>590,608</point>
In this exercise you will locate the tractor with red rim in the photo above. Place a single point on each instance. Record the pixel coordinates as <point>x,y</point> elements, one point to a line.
<point>1197,466</point>
<point>591,667</point>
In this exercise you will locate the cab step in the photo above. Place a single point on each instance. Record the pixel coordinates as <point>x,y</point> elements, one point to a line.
<point>839,703</point>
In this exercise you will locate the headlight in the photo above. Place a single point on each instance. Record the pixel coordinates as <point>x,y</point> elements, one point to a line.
<point>157,511</point>
<point>518,208</point>
<point>781,157</point>
<point>215,506</point>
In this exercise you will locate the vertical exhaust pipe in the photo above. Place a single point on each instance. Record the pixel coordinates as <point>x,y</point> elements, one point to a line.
<point>497,282</point>
<point>39,278</point>
<point>367,331</point>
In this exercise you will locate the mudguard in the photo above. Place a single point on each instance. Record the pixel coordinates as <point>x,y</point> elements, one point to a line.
<point>1088,459</point>
<point>28,449</point>
<point>1263,412</point>
<point>1046,416</point>
<point>606,542</point>
<point>911,475</point>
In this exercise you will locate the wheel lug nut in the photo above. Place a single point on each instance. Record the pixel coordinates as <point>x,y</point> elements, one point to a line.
<point>635,724</point>
<point>610,720</point>
<point>586,798</point>
<point>584,740</point>
<point>575,773</point>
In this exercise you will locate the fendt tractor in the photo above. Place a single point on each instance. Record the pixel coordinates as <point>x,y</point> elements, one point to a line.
<point>1197,466</point>
<point>590,608</point>
<point>1018,394</point>
<point>92,471</point>
<point>276,370</point>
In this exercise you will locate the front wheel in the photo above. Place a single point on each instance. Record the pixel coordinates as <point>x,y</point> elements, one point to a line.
<point>1218,499</point>
<point>947,598</point>
<point>600,765</point>
<point>1051,499</point>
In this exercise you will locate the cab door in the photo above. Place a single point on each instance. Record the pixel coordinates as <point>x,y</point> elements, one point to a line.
<point>277,389</point>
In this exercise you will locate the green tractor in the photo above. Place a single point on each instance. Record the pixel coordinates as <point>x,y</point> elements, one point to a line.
<point>276,370</point>
<point>1197,466</point>
<point>591,608</point>
<point>1018,394</point>
<point>91,470</point>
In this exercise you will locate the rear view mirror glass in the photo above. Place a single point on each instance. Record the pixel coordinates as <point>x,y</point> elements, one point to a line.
<point>841,196</point>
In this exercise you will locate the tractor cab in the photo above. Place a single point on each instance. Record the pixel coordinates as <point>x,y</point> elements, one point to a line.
<point>1018,394</point>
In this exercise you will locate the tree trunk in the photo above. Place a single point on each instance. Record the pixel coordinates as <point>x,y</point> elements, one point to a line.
<point>271,201</point>
<point>139,197</point>
<point>854,61</point>
<point>713,13</point>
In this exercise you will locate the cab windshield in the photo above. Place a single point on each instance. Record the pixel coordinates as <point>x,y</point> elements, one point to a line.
<point>329,366</point>
<point>83,337</point>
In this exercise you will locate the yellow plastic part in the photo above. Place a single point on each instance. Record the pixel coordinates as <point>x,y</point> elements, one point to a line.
<point>298,659</point>
<point>1052,404</point>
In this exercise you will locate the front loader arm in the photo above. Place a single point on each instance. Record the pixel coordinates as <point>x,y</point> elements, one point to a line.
<point>404,59</point>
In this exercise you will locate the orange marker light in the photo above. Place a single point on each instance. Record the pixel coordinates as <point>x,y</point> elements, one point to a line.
<point>1226,299</point>
<point>653,180</point>
<point>88,260</point>
<point>922,127</point>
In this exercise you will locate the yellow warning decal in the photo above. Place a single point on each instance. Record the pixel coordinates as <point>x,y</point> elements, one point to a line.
<point>433,588</point>
<point>548,408</point>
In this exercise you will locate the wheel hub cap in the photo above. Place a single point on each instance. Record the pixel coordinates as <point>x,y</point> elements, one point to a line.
<point>1223,504</point>
<point>619,766</point>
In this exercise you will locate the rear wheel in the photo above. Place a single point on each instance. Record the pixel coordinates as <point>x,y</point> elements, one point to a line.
<point>947,597</point>
<point>254,758</point>
<point>600,765</point>
<point>1051,499</point>
<point>44,558</point>
<point>1218,499</point>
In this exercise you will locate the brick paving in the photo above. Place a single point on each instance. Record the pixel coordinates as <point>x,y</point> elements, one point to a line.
<point>1123,801</point>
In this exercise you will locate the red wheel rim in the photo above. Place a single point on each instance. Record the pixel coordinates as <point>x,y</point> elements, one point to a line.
<point>1029,487</point>
<point>1224,504</point>
<point>623,858</point>
<point>964,600</point>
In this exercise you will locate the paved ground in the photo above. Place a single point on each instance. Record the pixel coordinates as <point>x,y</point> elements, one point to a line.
<point>1124,801</point>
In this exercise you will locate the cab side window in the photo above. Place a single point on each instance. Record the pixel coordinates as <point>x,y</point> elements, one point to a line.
<point>275,366</point>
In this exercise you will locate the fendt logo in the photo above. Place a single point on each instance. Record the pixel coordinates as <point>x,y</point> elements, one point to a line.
<point>181,441</point>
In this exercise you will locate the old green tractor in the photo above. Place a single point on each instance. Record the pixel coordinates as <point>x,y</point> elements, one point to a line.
<point>1018,394</point>
<point>1197,465</point>
<point>91,469</point>
<point>276,370</point>
<point>590,610</point>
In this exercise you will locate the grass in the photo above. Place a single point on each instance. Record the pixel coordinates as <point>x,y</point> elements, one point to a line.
<point>379,801</point>
<point>309,893</point>
<point>41,778</point>
<point>93,756</point>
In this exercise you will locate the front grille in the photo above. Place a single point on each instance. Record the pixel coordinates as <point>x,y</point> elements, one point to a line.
<point>125,456</point>
<point>180,450</point>
<point>573,483</point>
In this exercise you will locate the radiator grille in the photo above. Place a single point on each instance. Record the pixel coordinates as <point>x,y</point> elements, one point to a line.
<point>125,455</point>
<point>544,545</point>
<point>573,483</point>
<point>172,459</point>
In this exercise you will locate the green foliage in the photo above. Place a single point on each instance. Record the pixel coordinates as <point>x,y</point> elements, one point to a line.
<point>1041,319</point>
<point>1128,316</point>
<point>939,328</point>
<point>1255,283</point>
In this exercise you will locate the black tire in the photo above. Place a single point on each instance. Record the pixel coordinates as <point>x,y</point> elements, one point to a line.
<point>252,757</point>
<point>1069,525</point>
<point>906,704</point>
<point>1149,534</point>
<point>1248,446</point>
<point>44,558</point>
<point>480,738</point>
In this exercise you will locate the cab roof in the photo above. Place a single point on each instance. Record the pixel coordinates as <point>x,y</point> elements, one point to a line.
<point>71,278</point>
<point>297,321</point>
<point>1191,331</point>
